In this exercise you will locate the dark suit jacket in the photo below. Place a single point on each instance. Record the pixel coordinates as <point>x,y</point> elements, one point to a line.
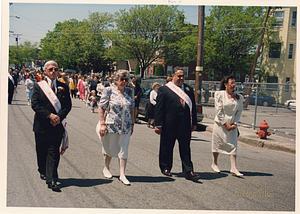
<point>171,115</point>
<point>11,86</point>
<point>42,107</point>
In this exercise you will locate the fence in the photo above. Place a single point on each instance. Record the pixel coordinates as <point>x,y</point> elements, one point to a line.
<point>269,94</point>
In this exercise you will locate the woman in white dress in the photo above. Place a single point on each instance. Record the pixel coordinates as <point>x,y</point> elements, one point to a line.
<point>29,82</point>
<point>228,106</point>
<point>116,127</point>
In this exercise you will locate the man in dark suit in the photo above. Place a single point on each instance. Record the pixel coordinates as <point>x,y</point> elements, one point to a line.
<point>176,118</point>
<point>137,95</point>
<point>48,122</point>
<point>11,86</point>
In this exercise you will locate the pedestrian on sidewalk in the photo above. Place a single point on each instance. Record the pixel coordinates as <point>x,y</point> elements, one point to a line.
<point>81,88</point>
<point>11,86</point>
<point>29,82</point>
<point>150,114</point>
<point>228,106</point>
<point>93,101</point>
<point>116,126</point>
<point>137,95</point>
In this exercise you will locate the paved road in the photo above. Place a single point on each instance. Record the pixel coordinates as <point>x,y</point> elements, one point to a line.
<point>268,184</point>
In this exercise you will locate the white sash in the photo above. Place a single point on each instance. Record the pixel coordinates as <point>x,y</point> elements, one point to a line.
<point>57,106</point>
<point>11,78</point>
<point>177,90</point>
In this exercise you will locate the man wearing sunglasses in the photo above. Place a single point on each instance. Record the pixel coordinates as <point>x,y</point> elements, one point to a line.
<point>51,103</point>
<point>175,119</point>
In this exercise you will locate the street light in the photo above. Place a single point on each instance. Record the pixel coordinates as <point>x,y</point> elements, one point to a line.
<point>15,16</point>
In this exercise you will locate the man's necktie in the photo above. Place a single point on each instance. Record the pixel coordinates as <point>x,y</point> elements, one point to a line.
<point>52,86</point>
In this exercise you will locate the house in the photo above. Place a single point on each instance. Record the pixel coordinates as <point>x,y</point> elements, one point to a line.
<point>278,57</point>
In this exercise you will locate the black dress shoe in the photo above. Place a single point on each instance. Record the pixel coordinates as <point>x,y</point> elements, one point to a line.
<point>53,186</point>
<point>42,176</point>
<point>167,173</point>
<point>191,175</point>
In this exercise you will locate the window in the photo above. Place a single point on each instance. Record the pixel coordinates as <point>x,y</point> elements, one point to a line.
<point>294,18</point>
<point>169,70</point>
<point>272,79</point>
<point>275,49</point>
<point>279,16</point>
<point>291,51</point>
<point>186,71</point>
<point>287,87</point>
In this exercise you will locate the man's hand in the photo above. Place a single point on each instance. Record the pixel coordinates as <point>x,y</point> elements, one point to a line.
<point>158,130</point>
<point>194,127</point>
<point>54,119</point>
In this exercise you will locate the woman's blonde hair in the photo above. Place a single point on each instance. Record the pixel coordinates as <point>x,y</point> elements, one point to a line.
<point>155,84</point>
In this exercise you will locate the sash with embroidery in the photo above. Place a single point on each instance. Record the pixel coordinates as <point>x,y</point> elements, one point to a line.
<point>57,106</point>
<point>182,95</point>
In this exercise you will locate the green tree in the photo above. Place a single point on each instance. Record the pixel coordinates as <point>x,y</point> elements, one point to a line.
<point>141,32</point>
<point>159,70</point>
<point>22,54</point>
<point>181,45</point>
<point>230,38</point>
<point>79,45</point>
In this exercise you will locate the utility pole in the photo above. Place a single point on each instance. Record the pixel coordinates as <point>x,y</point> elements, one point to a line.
<point>255,59</point>
<point>17,40</point>
<point>199,65</point>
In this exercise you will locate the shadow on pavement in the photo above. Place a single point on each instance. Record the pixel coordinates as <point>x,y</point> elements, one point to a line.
<point>249,174</point>
<point>149,179</point>
<point>181,175</point>
<point>81,182</point>
<point>212,175</point>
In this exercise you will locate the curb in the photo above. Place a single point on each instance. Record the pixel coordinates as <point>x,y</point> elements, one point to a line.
<point>260,143</point>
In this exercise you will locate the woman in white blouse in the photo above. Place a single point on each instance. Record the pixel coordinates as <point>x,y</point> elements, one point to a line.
<point>151,105</point>
<point>228,106</point>
<point>29,82</point>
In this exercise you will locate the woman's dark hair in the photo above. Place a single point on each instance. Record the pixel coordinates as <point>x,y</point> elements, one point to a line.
<point>225,80</point>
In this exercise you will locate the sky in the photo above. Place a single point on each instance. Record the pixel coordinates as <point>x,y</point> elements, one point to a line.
<point>31,21</point>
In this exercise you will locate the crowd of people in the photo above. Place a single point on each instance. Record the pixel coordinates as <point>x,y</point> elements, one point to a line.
<point>117,101</point>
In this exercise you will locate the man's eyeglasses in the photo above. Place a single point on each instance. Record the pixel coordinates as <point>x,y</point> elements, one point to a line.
<point>51,69</point>
<point>123,79</point>
<point>180,76</point>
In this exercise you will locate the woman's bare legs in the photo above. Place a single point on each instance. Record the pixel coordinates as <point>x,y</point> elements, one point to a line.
<point>233,169</point>
<point>123,179</point>
<point>214,165</point>
<point>106,171</point>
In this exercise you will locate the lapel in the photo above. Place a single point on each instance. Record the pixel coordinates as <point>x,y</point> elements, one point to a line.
<point>187,92</point>
<point>59,92</point>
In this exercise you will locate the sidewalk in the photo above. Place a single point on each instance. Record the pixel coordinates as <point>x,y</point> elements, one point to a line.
<point>248,136</point>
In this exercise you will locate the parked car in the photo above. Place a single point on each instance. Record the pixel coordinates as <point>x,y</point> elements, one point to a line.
<point>262,99</point>
<point>292,106</point>
<point>288,102</point>
<point>144,101</point>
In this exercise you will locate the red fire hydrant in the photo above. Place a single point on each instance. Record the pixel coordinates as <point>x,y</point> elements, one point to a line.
<point>263,132</point>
